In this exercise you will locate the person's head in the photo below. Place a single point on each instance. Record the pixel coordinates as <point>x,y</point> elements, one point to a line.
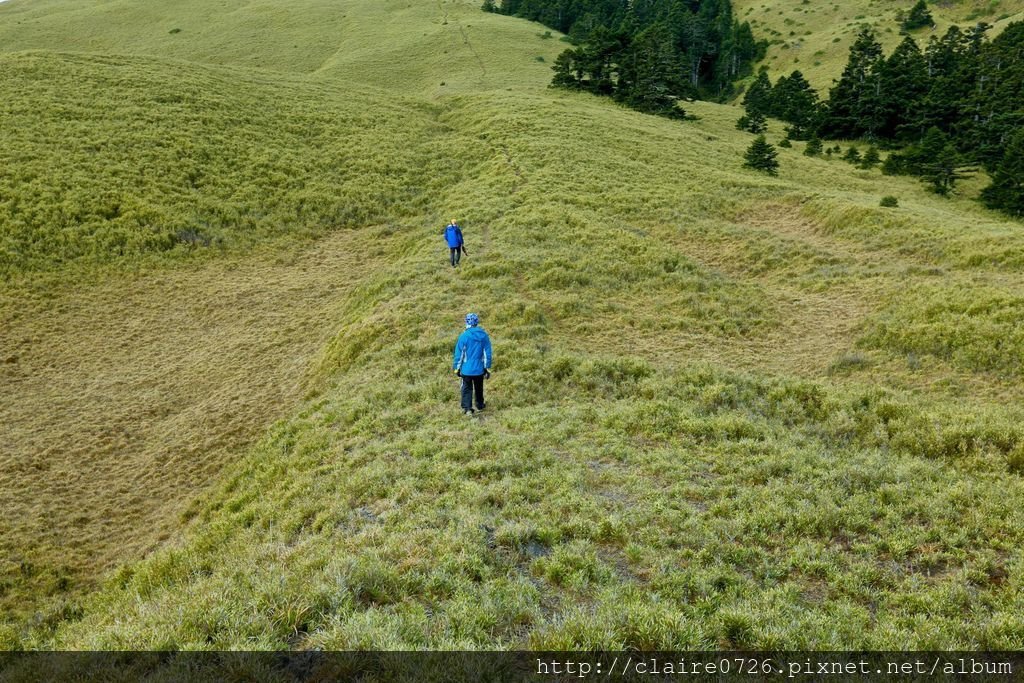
<point>472,320</point>
<point>453,222</point>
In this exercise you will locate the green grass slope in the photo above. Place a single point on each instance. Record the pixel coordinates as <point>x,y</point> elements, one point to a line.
<point>156,157</point>
<point>815,37</point>
<point>728,410</point>
<point>133,191</point>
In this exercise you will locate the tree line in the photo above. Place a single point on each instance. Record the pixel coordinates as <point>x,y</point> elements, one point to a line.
<point>957,103</point>
<point>951,106</point>
<point>648,54</point>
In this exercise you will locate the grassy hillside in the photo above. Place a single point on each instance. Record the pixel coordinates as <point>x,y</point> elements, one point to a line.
<point>728,410</point>
<point>815,37</point>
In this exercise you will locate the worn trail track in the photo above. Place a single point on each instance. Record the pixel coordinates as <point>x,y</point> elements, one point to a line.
<point>122,400</point>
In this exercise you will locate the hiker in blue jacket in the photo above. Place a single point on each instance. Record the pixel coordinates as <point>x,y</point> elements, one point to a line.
<point>453,235</point>
<point>472,362</point>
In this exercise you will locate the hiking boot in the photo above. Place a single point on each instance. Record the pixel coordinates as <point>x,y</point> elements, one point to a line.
<point>469,413</point>
<point>479,408</point>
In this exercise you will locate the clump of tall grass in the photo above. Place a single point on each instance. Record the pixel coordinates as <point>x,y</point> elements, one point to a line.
<point>122,158</point>
<point>975,327</point>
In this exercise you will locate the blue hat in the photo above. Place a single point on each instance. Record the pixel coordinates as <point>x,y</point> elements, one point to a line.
<point>472,320</point>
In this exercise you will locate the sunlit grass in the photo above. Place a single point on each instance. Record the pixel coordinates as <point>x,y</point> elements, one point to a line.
<point>815,37</point>
<point>728,410</point>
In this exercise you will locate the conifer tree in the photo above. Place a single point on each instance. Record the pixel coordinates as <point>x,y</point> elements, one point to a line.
<point>567,70</point>
<point>813,148</point>
<point>758,97</point>
<point>1006,192</point>
<point>996,109</point>
<point>903,83</point>
<point>752,123</point>
<point>646,53</point>
<point>762,156</point>
<point>895,164</point>
<point>794,100</point>
<point>852,155</point>
<point>919,17</point>
<point>933,143</point>
<point>952,75</point>
<point>871,158</point>
<point>601,56</point>
<point>942,170</point>
<point>648,73</point>
<point>853,105</point>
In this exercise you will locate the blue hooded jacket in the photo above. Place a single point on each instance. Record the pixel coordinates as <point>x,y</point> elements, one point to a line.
<point>453,235</point>
<point>472,352</point>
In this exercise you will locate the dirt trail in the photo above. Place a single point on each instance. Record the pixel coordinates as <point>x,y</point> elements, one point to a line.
<point>815,326</point>
<point>119,402</point>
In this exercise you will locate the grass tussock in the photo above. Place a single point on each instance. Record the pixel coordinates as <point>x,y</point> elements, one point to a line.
<point>606,504</point>
<point>973,327</point>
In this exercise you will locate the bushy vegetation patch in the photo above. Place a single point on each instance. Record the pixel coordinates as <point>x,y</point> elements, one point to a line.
<point>975,327</point>
<point>119,157</point>
<point>694,509</point>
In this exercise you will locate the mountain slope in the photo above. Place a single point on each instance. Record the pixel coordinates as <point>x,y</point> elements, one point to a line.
<point>816,37</point>
<point>728,409</point>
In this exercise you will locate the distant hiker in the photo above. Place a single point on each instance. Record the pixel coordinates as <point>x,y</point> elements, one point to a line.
<point>472,362</point>
<point>453,235</point>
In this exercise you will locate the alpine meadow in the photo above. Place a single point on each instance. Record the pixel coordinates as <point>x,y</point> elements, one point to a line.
<point>729,409</point>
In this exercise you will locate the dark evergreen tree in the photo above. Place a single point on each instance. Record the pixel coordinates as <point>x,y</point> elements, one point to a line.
<point>1006,193</point>
<point>918,17</point>
<point>996,109</point>
<point>915,159</point>
<point>762,156</point>
<point>813,147</point>
<point>943,170</point>
<point>759,96</point>
<point>752,123</point>
<point>785,142</point>
<point>601,55</point>
<point>794,100</point>
<point>489,6</point>
<point>649,73</point>
<point>952,75</point>
<point>647,52</point>
<point>854,107</point>
<point>895,164</point>
<point>871,158</point>
<point>903,83</point>
<point>852,155</point>
<point>567,70</point>
<point>935,141</point>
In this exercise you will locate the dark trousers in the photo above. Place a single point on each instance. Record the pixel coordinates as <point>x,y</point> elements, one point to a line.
<point>456,254</point>
<point>471,385</point>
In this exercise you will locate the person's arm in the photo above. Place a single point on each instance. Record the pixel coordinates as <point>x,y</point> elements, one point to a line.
<point>487,352</point>
<point>459,355</point>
